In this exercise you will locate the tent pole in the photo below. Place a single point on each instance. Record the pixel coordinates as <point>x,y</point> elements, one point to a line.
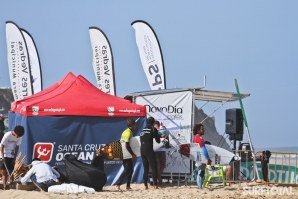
<point>215,110</point>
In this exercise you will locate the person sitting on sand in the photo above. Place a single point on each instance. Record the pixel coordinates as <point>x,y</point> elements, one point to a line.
<point>42,175</point>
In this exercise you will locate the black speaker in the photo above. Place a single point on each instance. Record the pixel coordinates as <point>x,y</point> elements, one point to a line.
<point>234,124</point>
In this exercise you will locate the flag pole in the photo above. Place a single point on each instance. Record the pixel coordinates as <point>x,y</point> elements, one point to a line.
<point>247,130</point>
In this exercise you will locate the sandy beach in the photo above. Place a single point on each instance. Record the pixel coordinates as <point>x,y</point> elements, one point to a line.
<point>166,191</point>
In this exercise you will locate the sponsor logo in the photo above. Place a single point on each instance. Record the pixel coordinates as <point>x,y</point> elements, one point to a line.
<point>111,110</point>
<point>83,152</point>
<point>54,110</point>
<point>35,110</point>
<point>130,111</point>
<point>43,151</point>
<point>168,109</point>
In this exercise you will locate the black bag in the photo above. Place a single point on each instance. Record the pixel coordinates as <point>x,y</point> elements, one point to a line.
<point>98,162</point>
<point>84,174</point>
<point>264,162</point>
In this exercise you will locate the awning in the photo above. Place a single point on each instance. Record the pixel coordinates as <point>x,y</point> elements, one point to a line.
<point>218,96</point>
<point>203,95</point>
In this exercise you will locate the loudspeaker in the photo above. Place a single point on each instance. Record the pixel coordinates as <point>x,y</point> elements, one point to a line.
<point>234,124</point>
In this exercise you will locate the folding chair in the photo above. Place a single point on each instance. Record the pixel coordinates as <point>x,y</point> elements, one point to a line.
<point>214,172</point>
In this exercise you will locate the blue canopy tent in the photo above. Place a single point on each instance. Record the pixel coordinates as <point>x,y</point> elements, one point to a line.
<point>50,137</point>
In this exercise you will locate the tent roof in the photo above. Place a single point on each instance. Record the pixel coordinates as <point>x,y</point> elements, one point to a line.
<point>76,96</point>
<point>199,94</point>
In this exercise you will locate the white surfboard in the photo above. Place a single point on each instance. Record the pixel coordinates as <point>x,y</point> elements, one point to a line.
<point>218,156</point>
<point>117,150</point>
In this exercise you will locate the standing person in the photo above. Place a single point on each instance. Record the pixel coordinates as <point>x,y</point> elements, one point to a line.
<point>127,163</point>
<point>198,131</point>
<point>2,127</point>
<point>147,153</point>
<point>42,175</point>
<point>9,148</point>
<point>160,154</point>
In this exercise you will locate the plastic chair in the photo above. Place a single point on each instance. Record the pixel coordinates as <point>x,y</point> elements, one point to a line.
<point>218,172</point>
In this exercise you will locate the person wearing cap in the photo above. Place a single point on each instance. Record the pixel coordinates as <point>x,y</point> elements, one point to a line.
<point>2,127</point>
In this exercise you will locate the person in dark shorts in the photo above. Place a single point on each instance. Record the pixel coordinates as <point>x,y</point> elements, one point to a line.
<point>127,163</point>
<point>146,136</point>
<point>160,154</point>
<point>9,148</point>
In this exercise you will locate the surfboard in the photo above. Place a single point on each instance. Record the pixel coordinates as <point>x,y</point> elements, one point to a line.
<point>218,156</point>
<point>117,150</point>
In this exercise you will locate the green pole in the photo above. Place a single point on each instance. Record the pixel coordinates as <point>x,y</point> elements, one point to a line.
<point>241,105</point>
<point>246,125</point>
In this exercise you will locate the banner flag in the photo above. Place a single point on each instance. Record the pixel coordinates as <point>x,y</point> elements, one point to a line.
<point>150,54</point>
<point>102,61</point>
<point>35,67</point>
<point>18,62</point>
<point>174,111</point>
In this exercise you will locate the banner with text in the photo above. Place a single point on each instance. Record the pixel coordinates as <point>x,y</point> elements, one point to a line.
<point>150,54</point>
<point>172,110</point>
<point>102,61</point>
<point>18,62</point>
<point>35,67</point>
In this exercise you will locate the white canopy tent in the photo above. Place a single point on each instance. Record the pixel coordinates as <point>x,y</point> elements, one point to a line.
<point>198,114</point>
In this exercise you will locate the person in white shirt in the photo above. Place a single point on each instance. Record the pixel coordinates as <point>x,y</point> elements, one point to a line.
<point>8,149</point>
<point>42,175</point>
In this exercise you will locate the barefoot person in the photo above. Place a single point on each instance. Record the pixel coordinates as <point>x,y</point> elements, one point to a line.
<point>198,132</point>
<point>147,135</point>
<point>9,148</point>
<point>127,163</point>
<point>42,175</point>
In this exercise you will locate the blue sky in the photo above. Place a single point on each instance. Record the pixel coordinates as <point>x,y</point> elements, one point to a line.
<point>254,42</point>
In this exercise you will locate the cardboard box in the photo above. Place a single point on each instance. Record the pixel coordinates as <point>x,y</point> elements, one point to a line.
<point>29,187</point>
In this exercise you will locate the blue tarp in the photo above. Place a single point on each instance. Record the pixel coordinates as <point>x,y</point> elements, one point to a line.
<point>51,137</point>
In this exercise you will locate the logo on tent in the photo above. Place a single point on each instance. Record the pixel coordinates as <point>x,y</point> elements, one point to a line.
<point>43,151</point>
<point>111,110</point>
<point>35,110</point>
